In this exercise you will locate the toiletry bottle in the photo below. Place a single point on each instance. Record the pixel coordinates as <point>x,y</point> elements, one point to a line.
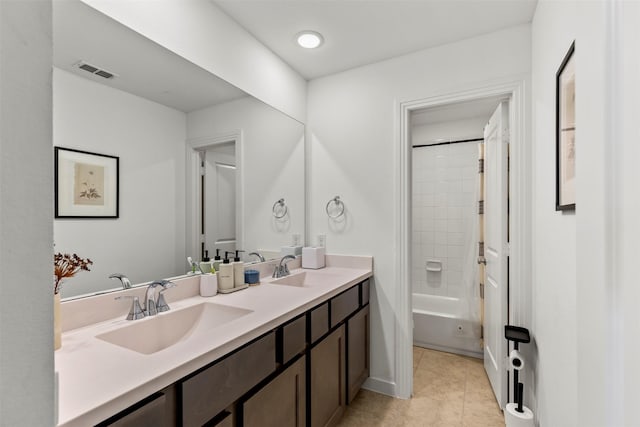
<point>238,270</point>
<point>217,261</point>
<point>205,265</point>
<point>225,274</point>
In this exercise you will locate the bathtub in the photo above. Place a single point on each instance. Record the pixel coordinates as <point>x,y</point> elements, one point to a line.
<point>439,323</point>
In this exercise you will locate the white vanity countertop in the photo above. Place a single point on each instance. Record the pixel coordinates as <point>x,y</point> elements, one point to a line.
<point>98,379</point>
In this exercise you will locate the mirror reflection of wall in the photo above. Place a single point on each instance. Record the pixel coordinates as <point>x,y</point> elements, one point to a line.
<point>147,116</point>
<point>270,166</point>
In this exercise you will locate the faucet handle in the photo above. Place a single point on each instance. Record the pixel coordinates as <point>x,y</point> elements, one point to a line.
<point>162,305</point>
<point>136,311</point>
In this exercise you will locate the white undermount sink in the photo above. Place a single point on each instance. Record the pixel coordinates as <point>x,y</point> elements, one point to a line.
<point>304,279</point>
<point>152,334</point>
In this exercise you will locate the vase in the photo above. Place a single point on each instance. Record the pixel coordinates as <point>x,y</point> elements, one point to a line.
<point>57,325</point>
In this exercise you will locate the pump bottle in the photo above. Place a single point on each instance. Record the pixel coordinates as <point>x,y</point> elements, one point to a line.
<point>238,270</point>
<point>225,274</point>
<point>216,260</point>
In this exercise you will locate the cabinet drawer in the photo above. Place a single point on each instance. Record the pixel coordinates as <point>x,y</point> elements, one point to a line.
<point>319,321</point>
<point>294,338</point>
<point>344,304</point>
<point>151,414</point>
<point>365,292</point>
<point>209,392</point>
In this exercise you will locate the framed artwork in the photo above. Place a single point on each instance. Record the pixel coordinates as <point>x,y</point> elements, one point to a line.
<point>86,184</point>
<point>566,133</point>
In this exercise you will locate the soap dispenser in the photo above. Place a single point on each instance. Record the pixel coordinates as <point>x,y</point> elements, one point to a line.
<point>205,265</point>
<point>225,274</point>
<point>238,270</point>
<point>217,260</point>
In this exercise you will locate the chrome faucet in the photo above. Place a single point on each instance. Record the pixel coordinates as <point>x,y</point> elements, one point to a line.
<point>282,270</point>
<point>136,311</point>
<point>126,283</point>
<point>154,301</point>
<point>258,255</point>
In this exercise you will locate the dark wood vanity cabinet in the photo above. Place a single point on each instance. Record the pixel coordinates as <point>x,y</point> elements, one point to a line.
<point>157,410</point>
<point>209,391</point>
<point>357,351</point>
<point>327,388</point>
<point>303,373</point>
<point>280,403</point>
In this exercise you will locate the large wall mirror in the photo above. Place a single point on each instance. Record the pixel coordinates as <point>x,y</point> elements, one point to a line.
<point>201,163</point>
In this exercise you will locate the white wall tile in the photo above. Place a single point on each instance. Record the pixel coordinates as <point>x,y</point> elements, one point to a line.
<point>444,206</point>
<point>455,251</point>
<point>454,238</point>
<point>441,238</point>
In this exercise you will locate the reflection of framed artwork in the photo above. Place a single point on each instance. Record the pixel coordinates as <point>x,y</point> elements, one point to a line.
<point>566,133</point>
<point>86,184</point>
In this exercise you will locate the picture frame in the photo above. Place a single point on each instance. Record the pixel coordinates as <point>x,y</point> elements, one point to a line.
<point>565,133</point>
<point>86,184</point>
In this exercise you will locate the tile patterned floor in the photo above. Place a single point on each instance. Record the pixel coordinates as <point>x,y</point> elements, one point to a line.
<point>448,390</point>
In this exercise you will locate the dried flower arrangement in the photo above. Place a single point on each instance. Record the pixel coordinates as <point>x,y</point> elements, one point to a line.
<point>65,265</point>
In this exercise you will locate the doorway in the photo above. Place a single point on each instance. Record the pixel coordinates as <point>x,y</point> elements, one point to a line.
<point>215,214</point>
<point>218,199</point>
<point>448,223</point>
<point>519,226</point>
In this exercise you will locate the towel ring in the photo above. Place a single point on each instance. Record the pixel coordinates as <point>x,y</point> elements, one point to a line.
<point>279,209</point>
<point>339,208</point>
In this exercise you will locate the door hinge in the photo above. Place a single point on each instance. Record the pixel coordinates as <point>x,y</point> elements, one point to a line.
<point>481,290</point>
<point>507,249</point>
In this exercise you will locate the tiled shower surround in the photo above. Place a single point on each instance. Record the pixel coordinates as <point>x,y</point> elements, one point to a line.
<point>445,220</point>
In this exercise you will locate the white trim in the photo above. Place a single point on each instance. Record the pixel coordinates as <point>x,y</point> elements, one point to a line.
<point>520,214</point>
<point>193,185</point>
<point>380,386</point>
<point>614,262</point>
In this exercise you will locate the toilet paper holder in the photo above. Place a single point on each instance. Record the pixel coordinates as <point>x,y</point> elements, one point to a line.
<point>518,335</point>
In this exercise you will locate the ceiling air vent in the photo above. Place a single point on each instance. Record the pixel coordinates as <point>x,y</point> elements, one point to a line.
<point>95,70</point>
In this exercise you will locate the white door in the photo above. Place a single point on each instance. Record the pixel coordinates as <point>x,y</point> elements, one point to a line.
<point>496,140</point>
<point>219,200</point>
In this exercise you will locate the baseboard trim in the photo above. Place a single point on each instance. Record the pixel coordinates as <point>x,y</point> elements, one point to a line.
<point>380,386</point>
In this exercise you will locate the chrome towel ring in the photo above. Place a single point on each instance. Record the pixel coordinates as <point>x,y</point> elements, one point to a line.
<point>338,208</point>
<point>279,209</point>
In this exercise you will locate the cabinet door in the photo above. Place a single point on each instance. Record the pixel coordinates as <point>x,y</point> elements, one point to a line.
<point>281,403</point>
<point>328,379</point>
<point>357,351</point>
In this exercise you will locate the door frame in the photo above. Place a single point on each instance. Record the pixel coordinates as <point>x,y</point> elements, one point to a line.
<point>520,249</point>
<point>193,147</point>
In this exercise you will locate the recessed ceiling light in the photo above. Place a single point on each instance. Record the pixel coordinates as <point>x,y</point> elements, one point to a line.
<point>309,39</point>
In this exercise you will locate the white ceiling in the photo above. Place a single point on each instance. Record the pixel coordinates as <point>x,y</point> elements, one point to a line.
<point>356,32</point>
<point>359,32</point>
<point>143,67</point>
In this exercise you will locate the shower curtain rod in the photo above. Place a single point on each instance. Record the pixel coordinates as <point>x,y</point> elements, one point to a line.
<point>449,142</point>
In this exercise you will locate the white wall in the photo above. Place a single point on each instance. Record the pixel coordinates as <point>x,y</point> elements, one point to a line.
<point>625,208</point>
<point>26,209</point>
<point>554,305</point>
<point>147,241</point>
<point>272,164</point>
<point>200,32</point>
<point>578,288</point>
<point>351,129</point>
